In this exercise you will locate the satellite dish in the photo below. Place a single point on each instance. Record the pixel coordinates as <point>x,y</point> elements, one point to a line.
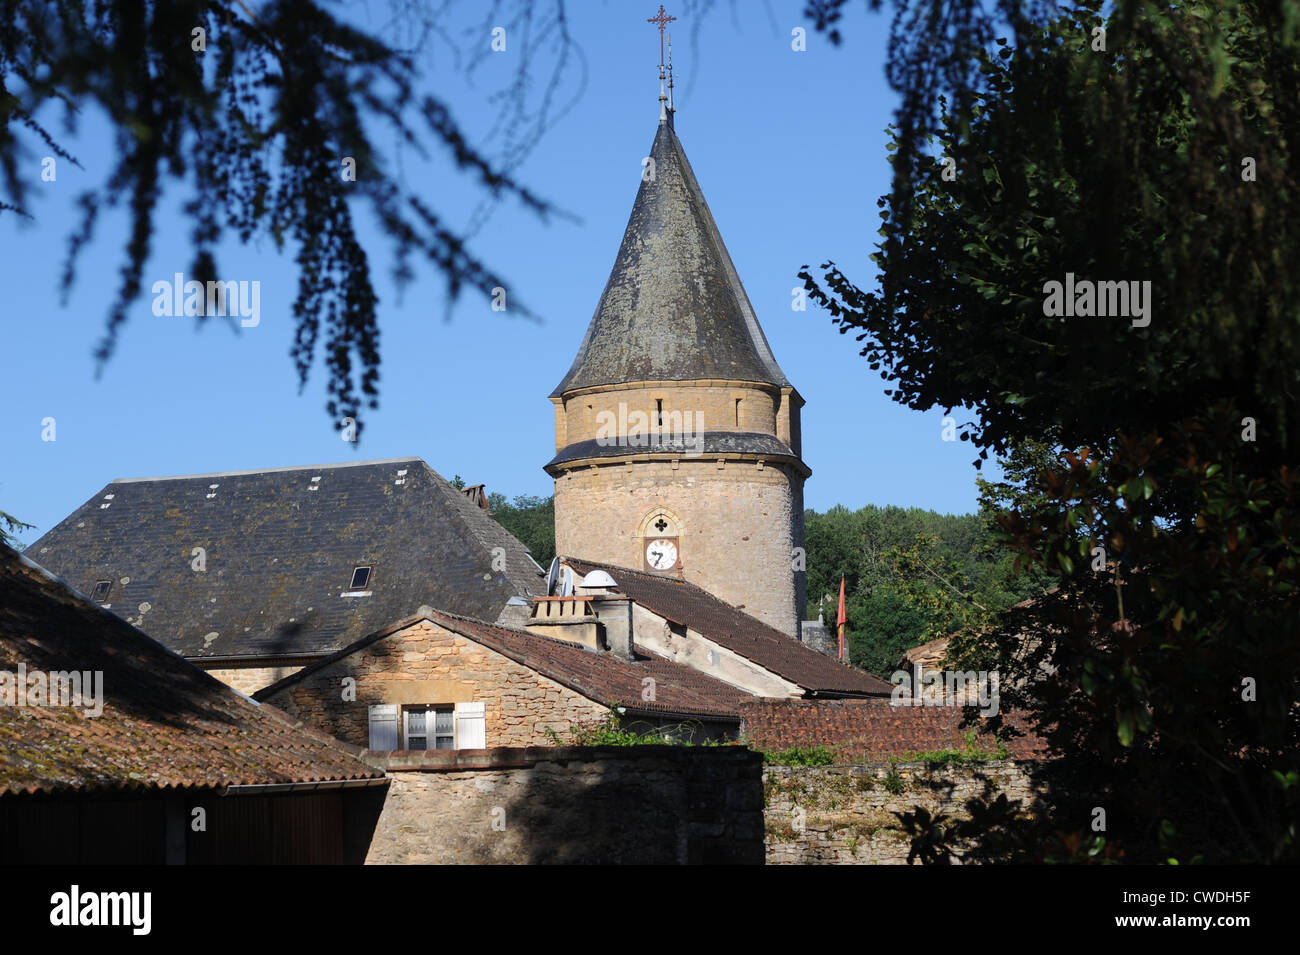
<point>598,578</point>
<point>566,585</point>
<point>551,576</point>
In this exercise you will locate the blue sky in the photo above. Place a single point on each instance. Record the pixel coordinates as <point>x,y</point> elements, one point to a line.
<point>789,148</point>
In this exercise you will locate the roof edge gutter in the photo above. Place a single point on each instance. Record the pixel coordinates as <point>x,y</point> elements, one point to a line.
<point>682,717</point>
<point>269,789</point>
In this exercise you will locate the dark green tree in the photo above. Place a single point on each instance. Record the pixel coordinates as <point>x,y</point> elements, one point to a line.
<point>531,519</point>
<point>9,527</point>
<point>1163,508</point>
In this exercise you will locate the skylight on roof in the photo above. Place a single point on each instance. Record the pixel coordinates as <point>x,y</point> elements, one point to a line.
<point>100,593</point>
<point>360,577</point>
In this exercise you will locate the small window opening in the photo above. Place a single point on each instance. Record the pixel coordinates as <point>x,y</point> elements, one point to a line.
<point>102,588</point>
<point>360,577</point>
<point>659,412</point>
<point>737,412</point>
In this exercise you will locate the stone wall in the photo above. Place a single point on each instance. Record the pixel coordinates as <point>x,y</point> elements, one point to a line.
<point>425,663</point>
<point>739,523</point>
<point>605,805</point>
<point>713,405</point>
<point>844,815</point>
<point>248,680</point>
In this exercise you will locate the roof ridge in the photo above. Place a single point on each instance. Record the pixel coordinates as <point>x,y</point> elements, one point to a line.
<point>288,467</point>
<point>461,508</point>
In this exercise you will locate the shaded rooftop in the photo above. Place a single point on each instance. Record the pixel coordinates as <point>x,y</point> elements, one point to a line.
<point>164,722</point>
<point>280,548</point>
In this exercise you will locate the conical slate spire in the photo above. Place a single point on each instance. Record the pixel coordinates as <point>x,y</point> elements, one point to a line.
<point>673,308</point>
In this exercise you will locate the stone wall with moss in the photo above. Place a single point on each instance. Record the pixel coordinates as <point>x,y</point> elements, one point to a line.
<point>848,815</point>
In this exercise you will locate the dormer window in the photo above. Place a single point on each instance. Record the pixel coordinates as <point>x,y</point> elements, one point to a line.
<point>100,594</point>
<point>360,578</point>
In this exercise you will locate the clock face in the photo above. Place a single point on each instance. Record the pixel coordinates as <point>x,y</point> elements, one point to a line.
<point>661,554</point>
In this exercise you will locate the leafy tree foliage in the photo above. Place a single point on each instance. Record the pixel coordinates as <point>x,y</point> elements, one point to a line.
<point>531,519</point>
<point>254,119</point>
<point>1162,501</point>
<point>910,575</point>
<point>9,527</point>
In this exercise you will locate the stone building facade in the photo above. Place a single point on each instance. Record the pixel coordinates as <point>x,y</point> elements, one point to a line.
<point>677,435</point>
<point>425,664</point>
<point>434,681</point>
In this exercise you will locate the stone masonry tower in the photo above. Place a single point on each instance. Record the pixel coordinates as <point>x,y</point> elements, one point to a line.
<point>676,433</point>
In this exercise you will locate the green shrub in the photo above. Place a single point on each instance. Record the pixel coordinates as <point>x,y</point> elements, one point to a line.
<point>801,756</point>
<point>894,781</point>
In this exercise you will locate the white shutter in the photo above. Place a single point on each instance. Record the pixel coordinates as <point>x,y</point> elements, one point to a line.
<point>471,726</point>
<point>383,727</point>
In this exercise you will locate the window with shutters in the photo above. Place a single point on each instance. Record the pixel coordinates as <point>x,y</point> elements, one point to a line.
<point>428,726</point>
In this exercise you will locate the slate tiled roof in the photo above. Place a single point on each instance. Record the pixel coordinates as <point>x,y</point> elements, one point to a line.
<point>280,549</point>
<point>165,723</point>
<point>711,443</point>
<point>602,677</point>
<point>685,603</point>
<point>859,731</point>
<point>673,308</point>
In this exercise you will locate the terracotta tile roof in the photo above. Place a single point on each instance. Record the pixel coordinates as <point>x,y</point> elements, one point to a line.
<point>602,677</point>
<point>165,723</point>
<point>689,605</point>
<point>861,731</point>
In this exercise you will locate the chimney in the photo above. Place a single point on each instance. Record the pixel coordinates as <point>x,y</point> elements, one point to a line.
<point>595,616</point>
<point>613,609</point>
<point>615,614</point>
<point>570,619</point>
<point>477,493</point>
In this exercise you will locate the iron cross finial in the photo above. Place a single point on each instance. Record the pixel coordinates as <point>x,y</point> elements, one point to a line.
<point>663,21</point>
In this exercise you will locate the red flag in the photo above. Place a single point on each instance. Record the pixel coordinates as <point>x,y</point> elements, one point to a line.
<point>840,619</point>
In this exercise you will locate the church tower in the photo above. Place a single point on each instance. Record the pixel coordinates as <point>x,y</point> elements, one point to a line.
<point>676,433</point>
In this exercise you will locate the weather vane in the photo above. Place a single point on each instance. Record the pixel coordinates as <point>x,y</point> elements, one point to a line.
<point>663,21</point>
